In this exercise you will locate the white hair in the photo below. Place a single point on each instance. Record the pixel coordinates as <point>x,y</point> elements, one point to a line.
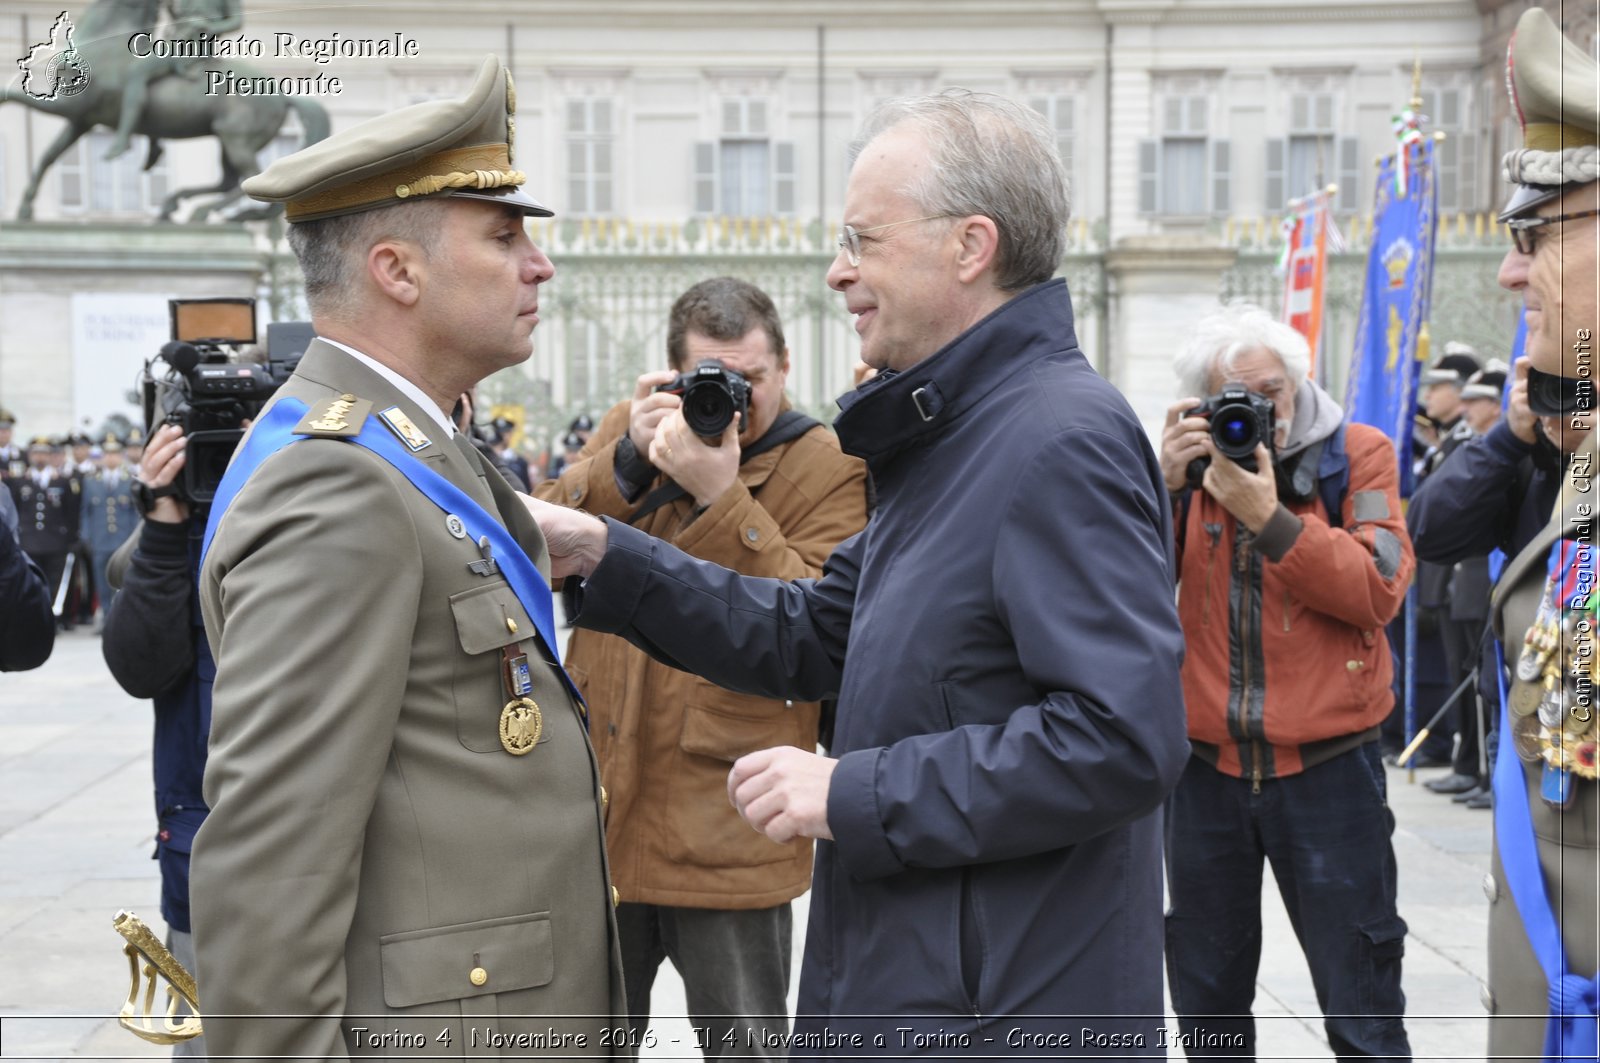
<point>1217,341</point>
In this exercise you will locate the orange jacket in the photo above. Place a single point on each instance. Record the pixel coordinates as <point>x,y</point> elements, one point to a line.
<point>666,739</point>
<point>1287,661</point>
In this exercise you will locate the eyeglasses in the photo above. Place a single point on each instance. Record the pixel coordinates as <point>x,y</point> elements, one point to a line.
<point>850,236</point>
<point>1524,231</point>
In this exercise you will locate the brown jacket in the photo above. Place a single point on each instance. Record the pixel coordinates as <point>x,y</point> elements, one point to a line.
<point>665,738</point>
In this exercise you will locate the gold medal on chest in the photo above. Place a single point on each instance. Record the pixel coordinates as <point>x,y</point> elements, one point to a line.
<point>521,723</point>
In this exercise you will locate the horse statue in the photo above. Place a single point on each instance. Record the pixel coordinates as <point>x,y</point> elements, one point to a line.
<point>175,107</point>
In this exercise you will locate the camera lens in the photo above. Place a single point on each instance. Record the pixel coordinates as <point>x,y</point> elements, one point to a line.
<point>707,409</point>
<point>1236,431</point>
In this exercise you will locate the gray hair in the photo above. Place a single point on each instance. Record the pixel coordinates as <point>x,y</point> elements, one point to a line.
<point>1219,338</point>
<point>333,251</point>
<point>994,157</point>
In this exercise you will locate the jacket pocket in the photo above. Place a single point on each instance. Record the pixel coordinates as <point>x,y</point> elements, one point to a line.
<point>467,960</point>
<point>488,618</point>
<point>702,828</point>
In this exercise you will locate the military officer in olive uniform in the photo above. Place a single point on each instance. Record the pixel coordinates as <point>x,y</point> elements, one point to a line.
<point>109,515</point>
<point>1543,885</point>
<point>404,854</point>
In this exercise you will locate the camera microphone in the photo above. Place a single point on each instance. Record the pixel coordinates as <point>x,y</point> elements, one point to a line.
<point>180,355</point>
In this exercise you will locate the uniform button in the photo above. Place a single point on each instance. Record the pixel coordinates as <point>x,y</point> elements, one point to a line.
<point>616,898</point>
<point>605,798</point>
<point>752,534</point>
<point>511,625</point>
<point>478,976</point>
<point>1485,997</point>
<point>1491,888</point>
<point>1352,666</point>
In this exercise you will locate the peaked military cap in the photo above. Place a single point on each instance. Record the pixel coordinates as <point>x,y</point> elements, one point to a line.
<point>1555,94</point>
<point>1452,367</point>
<point>459,147</point>
<point>1487,383</point>
<point>7,419</point>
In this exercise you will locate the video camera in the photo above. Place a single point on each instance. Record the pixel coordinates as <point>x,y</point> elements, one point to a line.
<point>207,390</point>
<point>1241,420</point>
<point>712,395</point>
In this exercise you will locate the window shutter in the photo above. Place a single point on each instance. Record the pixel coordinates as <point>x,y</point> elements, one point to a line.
<point>1350,180</point>
<point>1172,115</point>
<point>1221,177</point>
<point>783,178</point>
<point>602,177</point>
<point>1275,161</point>
<point>69,172</point>
<point>1324,113</point>
<point>1447,172</point>
<point>732,118</point>
<point>1299,112</point>
<point>1149,176</point>
<point>1468,172</point>
<point>1197,114</point>
<point>705,178</point>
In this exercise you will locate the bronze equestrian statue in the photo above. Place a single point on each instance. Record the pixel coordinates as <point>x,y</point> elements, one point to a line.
<point>167,100</point>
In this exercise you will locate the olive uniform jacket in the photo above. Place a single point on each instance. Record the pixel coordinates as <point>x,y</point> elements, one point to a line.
<point>1568,842</point>
<point>666,738</point>
<point>376,866</point>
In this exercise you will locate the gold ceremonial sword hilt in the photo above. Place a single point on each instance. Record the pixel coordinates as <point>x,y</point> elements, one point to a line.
<point>138,1018</point>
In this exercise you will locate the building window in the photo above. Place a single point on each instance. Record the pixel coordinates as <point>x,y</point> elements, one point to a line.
<point>1060,113</point>
<point>745,173</point>
<point>1186,170</point>
<point>591,141</point>
<point>1446,111</point>
<point>1313,155</point>
<point>122,186</point>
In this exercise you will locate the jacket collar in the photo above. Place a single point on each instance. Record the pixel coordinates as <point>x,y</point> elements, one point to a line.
<point>894,409</point>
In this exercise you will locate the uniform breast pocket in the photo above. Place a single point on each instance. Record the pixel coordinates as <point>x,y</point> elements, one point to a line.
<point>488,619</point>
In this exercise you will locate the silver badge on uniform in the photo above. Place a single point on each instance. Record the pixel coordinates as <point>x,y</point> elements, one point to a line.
<point>453,525</point>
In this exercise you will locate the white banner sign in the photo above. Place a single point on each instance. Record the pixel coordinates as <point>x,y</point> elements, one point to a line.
<point>112,335</point>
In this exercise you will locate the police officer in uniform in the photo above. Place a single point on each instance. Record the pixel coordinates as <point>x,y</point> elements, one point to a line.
<point>1543,937</point>
<point>109,515</point>
<point>47,501</point>
<point>404,853</point>
<point>13,457</point>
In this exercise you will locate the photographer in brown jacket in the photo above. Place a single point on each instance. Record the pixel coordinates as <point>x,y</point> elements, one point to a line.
<point>770,495</point>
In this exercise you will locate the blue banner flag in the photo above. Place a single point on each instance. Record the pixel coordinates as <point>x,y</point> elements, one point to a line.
<point>1382,390</point>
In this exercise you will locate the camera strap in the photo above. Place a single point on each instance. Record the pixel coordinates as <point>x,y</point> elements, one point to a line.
<point>275,431</point>
<point>790,425</point>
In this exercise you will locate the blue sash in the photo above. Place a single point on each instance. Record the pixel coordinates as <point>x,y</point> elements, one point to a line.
<point>1572,1030</point>
<point>276,430</point>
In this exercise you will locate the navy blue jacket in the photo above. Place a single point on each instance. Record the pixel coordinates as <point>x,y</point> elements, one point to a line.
<point>1489,494</point>
<point>27,622</point>
<point>155,645</point>
<point>1003,642</point>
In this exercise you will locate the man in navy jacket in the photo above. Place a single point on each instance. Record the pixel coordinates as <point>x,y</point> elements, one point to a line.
<point>1001,638</point>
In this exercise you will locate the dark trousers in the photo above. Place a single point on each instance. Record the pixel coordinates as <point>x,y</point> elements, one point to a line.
<point>735,969</point>
<point>1462,640</point>
<point>1326,834</point>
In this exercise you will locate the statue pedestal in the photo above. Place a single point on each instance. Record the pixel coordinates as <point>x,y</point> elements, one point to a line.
<point>83,305</point>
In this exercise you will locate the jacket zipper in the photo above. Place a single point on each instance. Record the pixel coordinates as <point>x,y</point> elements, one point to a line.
<point>1242,564</point>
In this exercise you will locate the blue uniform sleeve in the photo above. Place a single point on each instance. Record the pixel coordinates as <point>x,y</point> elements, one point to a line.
<point>774,638</point>
<point>1467,506</point>
<point>27,622</point>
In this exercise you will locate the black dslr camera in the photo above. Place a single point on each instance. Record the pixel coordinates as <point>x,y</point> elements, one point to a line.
<point>208,391</point>
<point>1241,420</point>
<point>712,395</point>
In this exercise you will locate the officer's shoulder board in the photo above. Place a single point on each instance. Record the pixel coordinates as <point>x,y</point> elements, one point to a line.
<point>334,418</point>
